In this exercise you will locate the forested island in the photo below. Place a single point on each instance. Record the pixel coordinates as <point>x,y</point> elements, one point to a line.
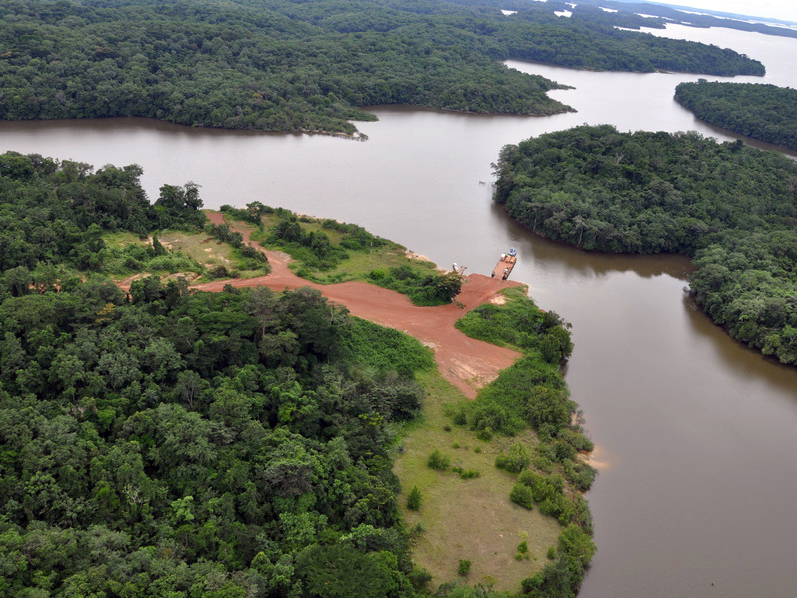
<point>688,17</point>
<point>239,443</point>
<point>310,66</point>
<point>730,207</point>
<point>763,112</point>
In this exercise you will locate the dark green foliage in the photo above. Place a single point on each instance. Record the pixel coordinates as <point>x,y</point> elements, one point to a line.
<point>315,253</point>
<point>548,492</point>
<point>340,571</point>
<point>631,20</point>
<point>53,216</point>
<point>414,499</point>
<point>384,349</point>
<point>438,460</point>
<point>420,578</point>
<point>764,112</point>
<point>287,66</point>
<point>519,324</point>
<point>422,287</point>
<point>562,578</point>
<point>466,474</point>
<point>731,207</point>
<point>516,460</point>
<point>149,446</point>
<point>463,568</point>
<point>531,392</point>
<point>590,40</point>
<point>307,66</point>
<point>522,496</point>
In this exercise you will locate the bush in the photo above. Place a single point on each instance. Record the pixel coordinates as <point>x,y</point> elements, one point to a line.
<point>419,578</point>
<point>521,495</point>
<point>464,568</point>
<point>517,459</point>
<point>438,461</point>
<point>466,474</point>
<point>414,499</point>
<point>580,474</point>
<point>219,272</point>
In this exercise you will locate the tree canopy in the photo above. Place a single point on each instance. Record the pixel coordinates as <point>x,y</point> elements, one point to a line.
<point>281,65</point>
<point>161,442</point>
<point>731,207</point>
<point>757,110</point>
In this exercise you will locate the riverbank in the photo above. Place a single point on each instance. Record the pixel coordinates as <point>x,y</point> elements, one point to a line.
<point>512,544</point>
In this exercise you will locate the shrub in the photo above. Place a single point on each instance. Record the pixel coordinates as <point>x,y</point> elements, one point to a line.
<point>517,459</point>
<point>464,568</point>
<point>377,274</point>
<point>542,463</point>
<point>551,554</point>
<point>521,495</point>
<point>219,272</point>
<point>419,578</point>
<point>414,499</point>
<point>580,474</point>
<point>466,474</point>
<point>438,461</point>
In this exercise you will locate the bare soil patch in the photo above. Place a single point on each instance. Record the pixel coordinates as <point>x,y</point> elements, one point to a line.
<point>467,363</point>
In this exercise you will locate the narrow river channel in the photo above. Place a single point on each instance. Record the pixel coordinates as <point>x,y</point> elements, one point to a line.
<point>696,435</point>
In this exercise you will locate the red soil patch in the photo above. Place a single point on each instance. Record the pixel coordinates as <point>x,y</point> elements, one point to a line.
<point>468,363</point>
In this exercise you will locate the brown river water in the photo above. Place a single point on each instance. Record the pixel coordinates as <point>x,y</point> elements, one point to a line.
<point>696,435</point>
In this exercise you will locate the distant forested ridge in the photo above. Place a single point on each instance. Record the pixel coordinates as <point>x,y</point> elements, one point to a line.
<point>692,18</point>
<point>278,65</point>
<point>730,207</point>
<point>764,112</point>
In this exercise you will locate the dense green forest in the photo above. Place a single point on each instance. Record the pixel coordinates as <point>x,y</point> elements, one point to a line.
<point>53,216</point>
<point>532,393</point>
<point>731,207</point>
<point>168,443</point>
<point>764,112</point>
<point>670,14</point>
<point>277,65</point>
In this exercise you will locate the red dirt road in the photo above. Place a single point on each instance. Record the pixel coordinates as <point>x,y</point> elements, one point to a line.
<point>468,363</point>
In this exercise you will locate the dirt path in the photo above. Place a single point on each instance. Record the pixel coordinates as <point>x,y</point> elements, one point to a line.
<point>468,363</point>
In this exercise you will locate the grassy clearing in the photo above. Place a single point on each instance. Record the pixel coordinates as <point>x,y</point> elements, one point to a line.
<point>327,251</point>
<point>187,254</point>
<point>469,519</point>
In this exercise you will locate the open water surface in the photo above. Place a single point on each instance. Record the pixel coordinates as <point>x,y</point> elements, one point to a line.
<point>696,435</point>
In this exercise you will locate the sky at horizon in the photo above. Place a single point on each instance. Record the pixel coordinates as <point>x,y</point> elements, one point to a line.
<point>779,9</point>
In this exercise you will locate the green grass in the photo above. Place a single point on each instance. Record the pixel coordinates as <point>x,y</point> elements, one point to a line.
<point>189,254</point>
<point>467,519</point>
<point>351,254</point>
<point>384,348</point>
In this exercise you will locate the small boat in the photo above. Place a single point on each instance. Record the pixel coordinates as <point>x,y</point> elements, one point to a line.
<point>505,264</point>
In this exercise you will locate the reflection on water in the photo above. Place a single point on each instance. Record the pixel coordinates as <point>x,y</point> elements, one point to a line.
<point>590,263</point>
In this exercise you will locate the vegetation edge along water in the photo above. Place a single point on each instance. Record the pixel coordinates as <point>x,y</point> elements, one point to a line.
<point>756,110</point>
<point>730,207</point>
<point>312,66</point>
<point>225,444</point>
